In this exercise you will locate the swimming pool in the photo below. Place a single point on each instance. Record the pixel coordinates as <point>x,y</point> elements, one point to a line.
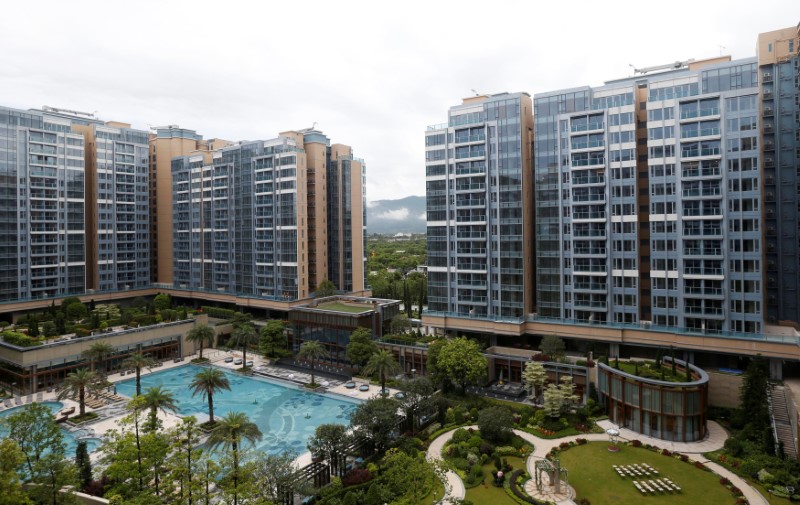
<point>287,416</point>
<point>71,437</point>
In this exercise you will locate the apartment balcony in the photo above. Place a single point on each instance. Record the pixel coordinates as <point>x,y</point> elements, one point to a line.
<point>695,173</point>
<point>705,311</point>
<point>588,180</point>
<point>767,94</point>
<point>590,287</point>
<point>472,267</point>
<point>704,292</point>
<point>587,127</point>
<point>707,112</point>
<point>590,305</point>
<point>590,163</point>
<point>768,128</point>
<point>768,111</point>
<point>706,271</point>
<point>590,251</point>
<point>590,270</point>
<point>587,146</point>
<point>470,284</point>
<point>475,251</point>
<point>479,203</point>
<point>473,170</point>
<point>467,139</point>
<point>480,218</point>
<point>707,251</point>
<point>769,147</point>
<point>766,77</point>
<point>696,153</point>
<point>470,234</point>
<point>464,188</point>
<point>698,133</point>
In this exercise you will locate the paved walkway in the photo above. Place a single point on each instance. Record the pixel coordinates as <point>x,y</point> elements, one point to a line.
<point>454,487</point>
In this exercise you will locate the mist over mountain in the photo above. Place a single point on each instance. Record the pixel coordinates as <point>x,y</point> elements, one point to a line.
<point>404,215</point>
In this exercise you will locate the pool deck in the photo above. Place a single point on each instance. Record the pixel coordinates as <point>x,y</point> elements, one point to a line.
<point>113,413</point>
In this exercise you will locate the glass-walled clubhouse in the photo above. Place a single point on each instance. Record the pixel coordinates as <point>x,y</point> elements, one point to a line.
<point>675,411</point>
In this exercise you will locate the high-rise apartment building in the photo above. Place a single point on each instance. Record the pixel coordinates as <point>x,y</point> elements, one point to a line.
<point>779,109</point>
<point>167,143</point>
<point>117,209</point>
<point>270,219</point>
<point>42,199</point>
<point>648,200</point>
<point>480,208</point>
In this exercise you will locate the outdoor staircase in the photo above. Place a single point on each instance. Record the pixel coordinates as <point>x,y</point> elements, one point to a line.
<point>782,424</point>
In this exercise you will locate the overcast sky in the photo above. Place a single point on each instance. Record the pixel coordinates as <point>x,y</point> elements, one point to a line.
<point>371,74</point>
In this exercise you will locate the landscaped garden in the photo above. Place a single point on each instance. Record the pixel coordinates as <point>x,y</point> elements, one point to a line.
<point>592,475</point>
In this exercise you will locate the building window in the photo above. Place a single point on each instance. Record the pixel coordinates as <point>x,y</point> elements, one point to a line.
<point>769,47</point>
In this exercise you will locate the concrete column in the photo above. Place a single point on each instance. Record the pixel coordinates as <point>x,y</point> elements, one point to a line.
<point>776,369</point>
<point>613,350</point>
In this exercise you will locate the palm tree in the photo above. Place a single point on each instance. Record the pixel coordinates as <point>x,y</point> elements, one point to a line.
<point>201,333</point>
<point>77,383</point>
<point>97,352</point>
<point>244,335</point>
<point>138,361</point>
<point>157,398</point>
<point>207,382</point>
<point>383,364</point>
<point>312,350</point>
<point>231,431</point>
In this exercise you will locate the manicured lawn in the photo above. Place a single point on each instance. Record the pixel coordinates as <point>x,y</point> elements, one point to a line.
<point>592,476</point>
<point>487,493</point>
<point>343,307</point>
<point>648,371</point>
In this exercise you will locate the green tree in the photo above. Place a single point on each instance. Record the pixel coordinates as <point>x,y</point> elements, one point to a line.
<point>49,329</point>
<point>553,347</point>
<point>11,459</point>
<point>77,383</point>
<point>417,398</point>
<point>535,377</point>
<point>60,322</point>
<point>312,351</point>
<point>51,474</point>
<point>83,464</point>
<point>97,353</point>
<point>407,476</point>
<point>753,413</point>
<point>162,301</point>
<point>361,347</point>
<point>376,420</point>
<point>76,311</point>
<point>495,424</point>
<point>330,442</point>
<point>383,365</point>
<point>202,334</point>
<point>273,334</point>
<point>33,325</point>
<point>462,361</point>
<point>244,336</point>
<point>137,361</point>
<point>185,461</point>
<point>207,383</point>
<point>157,398</point>
<point>231,432</point>
<point>34,431</point>
<point>325,288</point>
<point>399,325</point>
<point>276,477</point>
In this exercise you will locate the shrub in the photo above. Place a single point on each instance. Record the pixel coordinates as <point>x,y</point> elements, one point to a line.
<point>506,450</point>
<point>356,476</point>
<point>20,339</point>
<point>495,423</point>
<point>734,447</point>
<point>684,458</point>
<point>698,465</point>
<point>486,448</point>
<point>582,441</point>
<point>736,491</point>
<point>636,443</point>
<point>666,452</point>
<point>219,313</point>
<point>460,435</point>
<point>724,481</point>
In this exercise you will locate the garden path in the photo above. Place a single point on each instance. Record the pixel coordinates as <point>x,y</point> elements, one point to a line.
<point>454,487</point>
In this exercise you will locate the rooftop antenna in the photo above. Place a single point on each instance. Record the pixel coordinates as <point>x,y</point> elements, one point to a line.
<point>721,49</point>
<point>314,126</point>
<point>476,93</point>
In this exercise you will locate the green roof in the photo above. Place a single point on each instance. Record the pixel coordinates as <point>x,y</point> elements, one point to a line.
<point>344,307</point>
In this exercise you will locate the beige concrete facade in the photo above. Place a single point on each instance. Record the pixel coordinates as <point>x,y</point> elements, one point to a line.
<point>317,212</point>
<point>773,346</point>
<point>162,150</point>
<point>723,389</point>
<point>773,46</point>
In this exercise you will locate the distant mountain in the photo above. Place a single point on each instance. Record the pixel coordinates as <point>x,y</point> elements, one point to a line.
<point>406,215</point>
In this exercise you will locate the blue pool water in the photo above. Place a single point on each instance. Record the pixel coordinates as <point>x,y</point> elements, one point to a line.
<point>70,437</point>
<point>287,416</point>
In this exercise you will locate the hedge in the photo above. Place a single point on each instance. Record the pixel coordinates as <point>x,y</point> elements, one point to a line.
<point>219,312</point>
<point>20,339</point>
